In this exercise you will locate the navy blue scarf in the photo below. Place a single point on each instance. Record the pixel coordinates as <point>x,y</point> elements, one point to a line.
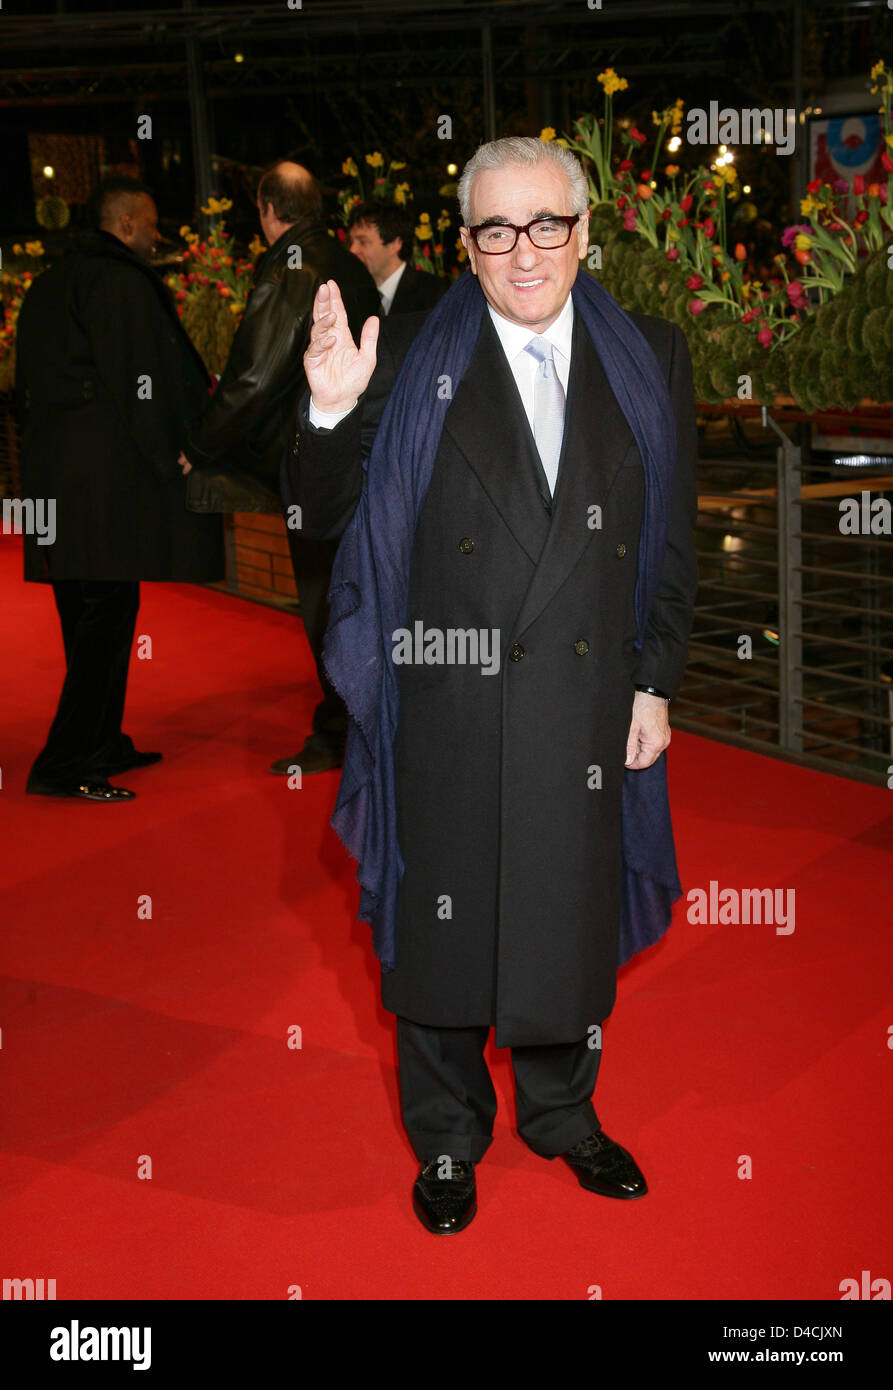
<point>369,596</point>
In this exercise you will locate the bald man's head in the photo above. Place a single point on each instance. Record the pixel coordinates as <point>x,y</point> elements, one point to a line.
<point>124,207</point>
<point>286,194</point>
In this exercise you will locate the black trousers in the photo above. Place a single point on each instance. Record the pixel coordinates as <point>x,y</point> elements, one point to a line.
<point>312,562</point>
<point>449,1103</point>
<point>98,620</point>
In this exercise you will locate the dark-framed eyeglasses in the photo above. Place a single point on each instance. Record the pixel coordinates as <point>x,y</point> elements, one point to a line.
<point>546,233</point>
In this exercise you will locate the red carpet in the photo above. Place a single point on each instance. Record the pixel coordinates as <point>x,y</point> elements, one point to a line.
<point>275,1166</point>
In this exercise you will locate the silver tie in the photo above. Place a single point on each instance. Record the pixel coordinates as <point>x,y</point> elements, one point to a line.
<point>548,408</point>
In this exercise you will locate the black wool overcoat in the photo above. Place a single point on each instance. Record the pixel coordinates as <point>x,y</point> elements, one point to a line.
<point>509,785</point>
<point>107,381</point>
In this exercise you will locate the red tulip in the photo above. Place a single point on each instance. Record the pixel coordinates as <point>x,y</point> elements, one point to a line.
<point>858,184</point>
<point>764,337</point>
<point>804,257</point>
<point>694,282</point>
<point>814,186</point>
<point>887,162</point>
<point>686,202</point>
<point>625,164</point>
<point>696,306</point>
<point>673,254</point>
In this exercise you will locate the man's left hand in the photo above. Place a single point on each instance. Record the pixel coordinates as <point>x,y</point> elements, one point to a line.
<point>184,463</point>
<point>649,731</point>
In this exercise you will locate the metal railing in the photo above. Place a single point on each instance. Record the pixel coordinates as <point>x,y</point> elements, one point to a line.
<point>792,641</point>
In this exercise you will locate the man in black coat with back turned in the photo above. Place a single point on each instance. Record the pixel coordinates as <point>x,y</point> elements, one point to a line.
<point>235,450</point>
<point>107,380</point>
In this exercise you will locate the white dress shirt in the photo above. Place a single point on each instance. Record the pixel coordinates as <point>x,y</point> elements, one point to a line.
<point>388,288</point>
<point>513,339</point>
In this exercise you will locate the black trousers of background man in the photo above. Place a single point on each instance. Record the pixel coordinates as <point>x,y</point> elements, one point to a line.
<point>449,1104</point>
<point>98,620</point>
<point>312,562</point>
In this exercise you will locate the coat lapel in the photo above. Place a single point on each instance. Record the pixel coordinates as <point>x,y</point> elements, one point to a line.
<point>596,439</point>
<point>486,421</point>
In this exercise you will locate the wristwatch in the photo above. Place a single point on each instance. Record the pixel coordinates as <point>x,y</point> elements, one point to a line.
<point>651,690</point>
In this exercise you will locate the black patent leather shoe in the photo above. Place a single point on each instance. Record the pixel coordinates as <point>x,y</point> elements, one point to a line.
<point>446,1204</point>
<point>604,1167</point>
<point>86,789</point>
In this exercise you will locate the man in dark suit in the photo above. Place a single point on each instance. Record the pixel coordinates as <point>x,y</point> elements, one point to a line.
<point>381,237</point>
<point>528,782</point>
<point>107,381</point>
<point>234,451</point>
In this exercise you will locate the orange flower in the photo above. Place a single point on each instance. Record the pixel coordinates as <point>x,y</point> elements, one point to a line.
<point>644,191</point>
<point>740,251</point>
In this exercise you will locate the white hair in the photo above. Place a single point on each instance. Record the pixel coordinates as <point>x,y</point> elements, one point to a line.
<point>523,150</point>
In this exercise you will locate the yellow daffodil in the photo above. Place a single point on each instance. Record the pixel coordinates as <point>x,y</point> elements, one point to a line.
<point>18,249</point>
<point>185,230</point>
<point>611,82</point>
<point>809,205</point>
<point>673,233</point>
<point>352,202</point>
<point>375,160</point>
<point>398,163</point>
<point>216,206</point>
<point>34,248</point>
<point>802,242</point>
<point>443,221</point>
<point>547,132</point>
<point>889,140</point>
<point>424,230</point>
<point>399,197</point>
<point>877,70</point>
<point>349,167</point>
<point>255,245</point>
<point>463,254</point>
<point>235,308</point>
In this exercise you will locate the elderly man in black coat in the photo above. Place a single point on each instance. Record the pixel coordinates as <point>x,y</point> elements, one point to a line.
<point>107,381</point>
<point>235,449</point>
<point>519,771</point>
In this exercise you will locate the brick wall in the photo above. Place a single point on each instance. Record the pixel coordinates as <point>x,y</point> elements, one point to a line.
<point>258,559</point>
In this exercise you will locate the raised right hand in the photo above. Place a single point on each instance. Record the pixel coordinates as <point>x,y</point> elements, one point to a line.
<point>337,371</point>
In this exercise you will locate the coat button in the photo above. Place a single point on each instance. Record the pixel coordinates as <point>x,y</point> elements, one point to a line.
<point>581,647</point>
<point>516,652</point>
<point>621,550</point>
<point>466,545</point>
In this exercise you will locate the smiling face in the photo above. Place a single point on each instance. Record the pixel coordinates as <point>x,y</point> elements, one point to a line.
<point>527,286</point>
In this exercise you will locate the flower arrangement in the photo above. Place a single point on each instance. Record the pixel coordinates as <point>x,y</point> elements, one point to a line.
<point>385,187</point>
<point>666,244</point>
<point>15,281</point>
<point>212,287</point>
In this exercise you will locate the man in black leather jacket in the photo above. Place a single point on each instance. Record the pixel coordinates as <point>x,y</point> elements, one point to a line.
<point>234,452</point>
